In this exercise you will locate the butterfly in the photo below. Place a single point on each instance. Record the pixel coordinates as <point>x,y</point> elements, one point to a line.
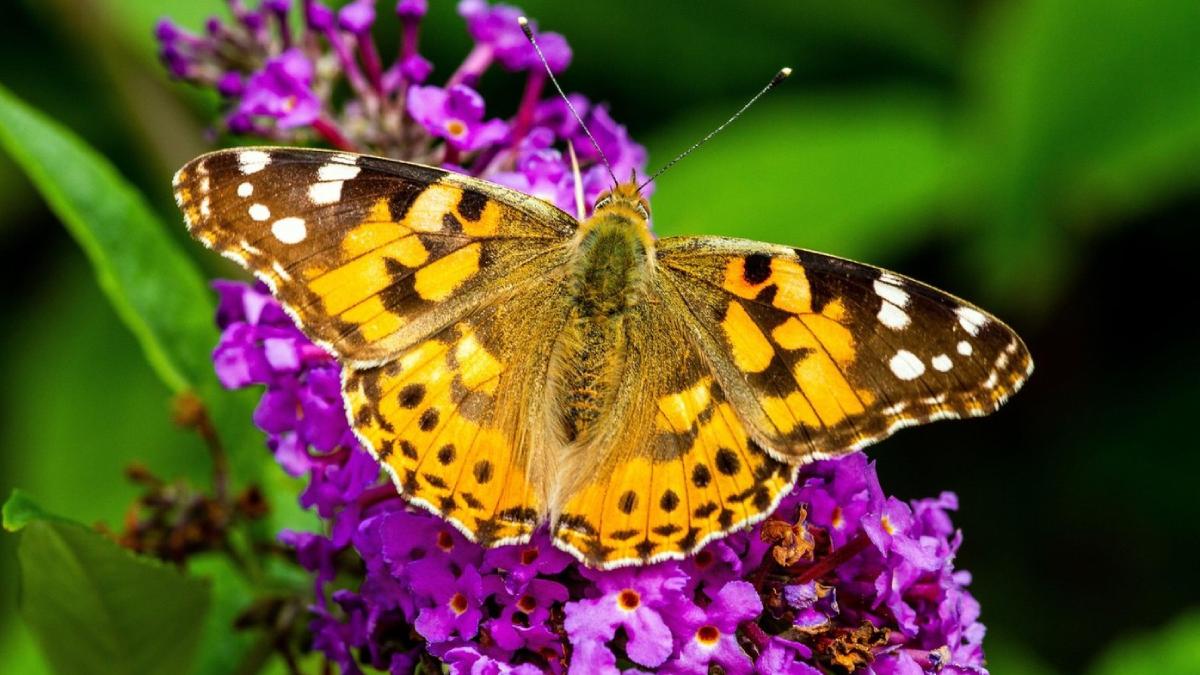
<point>511,366</point>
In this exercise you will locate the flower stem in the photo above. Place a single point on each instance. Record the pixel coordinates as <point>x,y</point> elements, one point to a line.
<point>329,131</point>
<point>833,560</point>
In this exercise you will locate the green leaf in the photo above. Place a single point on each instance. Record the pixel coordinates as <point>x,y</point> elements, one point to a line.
<point>1171,650</point>
<point>153,285</point>
<point>1085,111</point>
<point>858,176</point>
<point>20,510</point>
<point>95,607</point>
<point>155,288</point>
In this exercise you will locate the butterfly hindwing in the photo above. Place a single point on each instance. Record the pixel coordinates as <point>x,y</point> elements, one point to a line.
<point>676,465</point>
<point>369,254</point>
<point>452,418</point>
<point>822,355</point>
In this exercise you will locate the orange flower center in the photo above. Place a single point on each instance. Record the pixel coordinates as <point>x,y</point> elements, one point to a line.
<point>629,600</point>
<point>887,525</point>
<point>708,635</point>
<point>456,128</point>
<point>458,603</point>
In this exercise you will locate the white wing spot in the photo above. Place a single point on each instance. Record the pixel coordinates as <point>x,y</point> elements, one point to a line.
<point>259,211</point>
<point>251,161</point>
<point>205,207</point>
<point>893,294</point>
<point>906,366</point>
<point>965,348</point>
<point>204,184</point>
<point>283,273</point>
<point>971,319</point>
<point>290,230</point>
<point>250,248</point>
<point>893,317</point>
<point>941,363</point>
<point>245,189</point>
<point>325,193</point>
<point>337,171</point>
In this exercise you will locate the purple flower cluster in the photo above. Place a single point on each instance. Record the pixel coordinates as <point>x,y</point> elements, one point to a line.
<point>843,578</point>
<point>285,85</point>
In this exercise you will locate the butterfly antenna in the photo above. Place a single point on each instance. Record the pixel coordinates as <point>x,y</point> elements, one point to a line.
<point>779,77</point>
<point>529,35</point>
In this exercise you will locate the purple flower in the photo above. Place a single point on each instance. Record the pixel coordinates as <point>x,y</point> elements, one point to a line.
<point>496,27</point>
<point>282,90</point>
<point>456,601</point>
<point>633,599</point>
<point>784,657</point>
<point>709,635</point>
<point>522,621</point>
<point>411,10</point>
<point>455,114</point>
<point>358,16</point>
<point>519,564</point>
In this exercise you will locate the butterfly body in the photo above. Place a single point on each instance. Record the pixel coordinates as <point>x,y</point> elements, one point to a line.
<point>511,367</point>
<point>609,274</point>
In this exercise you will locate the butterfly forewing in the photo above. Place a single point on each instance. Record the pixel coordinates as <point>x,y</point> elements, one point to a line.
<point>823,355</point>
<point>369,254</point>
<point>436,292</point>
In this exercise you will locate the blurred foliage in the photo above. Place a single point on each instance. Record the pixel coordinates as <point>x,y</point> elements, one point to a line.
<point>120,613</point>
<point>1170,649</point>
<point>1041,156</point>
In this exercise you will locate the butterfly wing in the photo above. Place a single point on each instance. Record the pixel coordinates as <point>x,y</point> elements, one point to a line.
<point>821,355</point>
<point>673,465</point>
<point>370,255</point>
<point>462,418</point>
<point>431,288</point>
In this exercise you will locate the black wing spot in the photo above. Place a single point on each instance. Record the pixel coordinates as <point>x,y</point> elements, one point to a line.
<point>412,395</point>
<point>471,204</point>
<point>757,268</point>
<point>669,501</point>
<point>701,476</point>
<point>446,454</point>
<point>727,462</point>
<point>429,419</point>
<point>483,471</point>
<point>628,502</point>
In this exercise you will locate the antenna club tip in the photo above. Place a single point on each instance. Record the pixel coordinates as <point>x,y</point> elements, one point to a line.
<point>785,71</point>
<point>522,21</point>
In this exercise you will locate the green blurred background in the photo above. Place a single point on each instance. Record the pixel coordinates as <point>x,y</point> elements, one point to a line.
<point>1040,158</point>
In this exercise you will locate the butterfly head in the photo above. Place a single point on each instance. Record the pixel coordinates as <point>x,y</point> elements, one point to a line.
<point>624,199</point>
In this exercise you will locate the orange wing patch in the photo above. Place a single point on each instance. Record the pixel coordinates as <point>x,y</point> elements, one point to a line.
<point>851,353</point>
<point>644,508</point>
<point>430,418</point>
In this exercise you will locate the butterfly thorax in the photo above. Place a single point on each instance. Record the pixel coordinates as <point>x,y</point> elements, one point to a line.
<point>608,277</point>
